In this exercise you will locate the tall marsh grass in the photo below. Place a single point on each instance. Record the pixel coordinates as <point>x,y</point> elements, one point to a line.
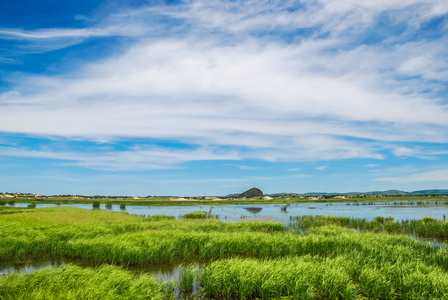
<point>314,277</point>
<point>425,227</point>
<point>200,215</point>
<point>73,282</point>
<point>196,215</point>
<point>102,236</point>
<point>187,275</point>
<point>243,260</point>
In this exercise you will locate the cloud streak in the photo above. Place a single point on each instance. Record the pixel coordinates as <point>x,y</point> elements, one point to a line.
<point>134,159</point>
<point>430,176</point>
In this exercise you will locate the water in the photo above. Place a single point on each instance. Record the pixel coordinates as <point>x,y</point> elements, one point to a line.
<point>233,213</point>
<point>164,271</point>
<point>7,267</point>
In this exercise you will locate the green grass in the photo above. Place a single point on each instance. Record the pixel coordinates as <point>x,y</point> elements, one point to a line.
<point>315,277</point>
<point>425,227</point>
<point>187,275</point>
<point>196,215</point>
<point>101,236</point>
<point>200,215</point>
<point>73,282</point>
<point>242,260</point>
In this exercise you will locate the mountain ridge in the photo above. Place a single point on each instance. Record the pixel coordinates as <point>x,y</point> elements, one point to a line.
<point>371,193</point>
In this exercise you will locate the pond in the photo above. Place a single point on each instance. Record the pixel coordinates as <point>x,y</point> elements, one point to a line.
<point>278,212</point>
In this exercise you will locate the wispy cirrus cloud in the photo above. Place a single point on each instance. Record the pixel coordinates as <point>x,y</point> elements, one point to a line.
<point>68,32</point>
<point>133,159</point>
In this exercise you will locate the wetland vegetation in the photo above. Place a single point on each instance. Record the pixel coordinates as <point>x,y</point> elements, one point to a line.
<point>426,227</point>
<point>312,258</point>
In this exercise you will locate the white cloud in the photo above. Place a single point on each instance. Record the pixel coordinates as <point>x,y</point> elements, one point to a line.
<point>372,165</point>
<point>66,32</point>
<point>268,99</point>
<point>431,176</point>
<point>334,16</point>
<point>136,159</point>
<point>403,151</point>
<point>154,83</point>
<point>243,167</point>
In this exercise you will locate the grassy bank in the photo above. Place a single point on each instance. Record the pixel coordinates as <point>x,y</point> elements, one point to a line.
<point>243,260</point>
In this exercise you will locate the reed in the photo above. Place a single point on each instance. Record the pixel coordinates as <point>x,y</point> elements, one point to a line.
<point>73,282</point>
<point>187,275</point>
<point>314,277</point>
<point>425,227</point>
<point>159,218</point>
<point>196,215</point>
<point>116,237</point>
<point>200,215</point>
<point>299,278</point>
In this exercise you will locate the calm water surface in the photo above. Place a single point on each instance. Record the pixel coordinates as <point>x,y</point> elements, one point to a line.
<point>232,213</point>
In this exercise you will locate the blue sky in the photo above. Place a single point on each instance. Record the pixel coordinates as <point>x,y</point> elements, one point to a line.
<point>209,97</point>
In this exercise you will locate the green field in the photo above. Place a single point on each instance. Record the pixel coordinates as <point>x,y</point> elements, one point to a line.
<point>242,260</point>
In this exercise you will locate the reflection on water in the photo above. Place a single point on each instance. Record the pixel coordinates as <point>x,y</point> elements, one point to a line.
<point>437,243</point>
<point>254,210</point>
<point>7,267</point>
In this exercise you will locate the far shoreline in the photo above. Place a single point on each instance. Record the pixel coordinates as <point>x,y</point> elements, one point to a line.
<point>214,201</point>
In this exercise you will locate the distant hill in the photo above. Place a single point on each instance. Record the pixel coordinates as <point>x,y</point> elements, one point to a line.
<point>254,192</point>
<point>231,196</point>
<point>388,193</point>
<point>431,192</point>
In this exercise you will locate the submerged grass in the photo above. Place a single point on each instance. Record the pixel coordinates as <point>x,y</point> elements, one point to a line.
<point>196,215</point>
<point>187,275</point>
<point>245,260</point>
